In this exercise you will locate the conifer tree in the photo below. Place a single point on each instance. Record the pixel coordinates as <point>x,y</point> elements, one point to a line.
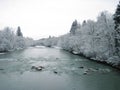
<point>74,27</point>
<point>117,28</point>
<point>19,33</point>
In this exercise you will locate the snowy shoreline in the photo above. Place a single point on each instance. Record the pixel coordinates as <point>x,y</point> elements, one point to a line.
<point>106,62</point>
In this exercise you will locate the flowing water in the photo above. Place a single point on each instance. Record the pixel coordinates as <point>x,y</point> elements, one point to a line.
<point>62,71</point>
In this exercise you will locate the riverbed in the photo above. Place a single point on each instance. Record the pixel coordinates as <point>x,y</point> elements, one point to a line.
<point>62,71</point>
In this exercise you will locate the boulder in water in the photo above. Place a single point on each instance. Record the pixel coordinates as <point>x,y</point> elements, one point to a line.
<point>1,69</point>
<point>81,67</point>
<point>55,72</point>
<point>37,68</point>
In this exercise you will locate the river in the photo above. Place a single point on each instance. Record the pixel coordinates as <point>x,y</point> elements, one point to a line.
<point>62,71</point>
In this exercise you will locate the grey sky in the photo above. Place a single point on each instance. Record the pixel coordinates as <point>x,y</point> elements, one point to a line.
<point>41,18</point>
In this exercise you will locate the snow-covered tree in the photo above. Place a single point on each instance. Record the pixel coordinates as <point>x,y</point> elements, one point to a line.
<point>94,39</point>
<point>19,42</point>
<point>84,23</point>
<point>48,42</point>
<point>6,39</point>
<point>19,39</point>
<point>19,33</point>
<point>9,41</point>
<point>105,35</point>
<point>117,29</point>
<point>74,27</point>
<point>30,42</point>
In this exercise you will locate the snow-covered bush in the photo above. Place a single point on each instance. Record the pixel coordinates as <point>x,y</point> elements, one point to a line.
<point>19,42</point>
<point>9,41</point>
<point>93,39</point>
<point>48,42</point>
<point>30,42</point>
<point>6,39</point>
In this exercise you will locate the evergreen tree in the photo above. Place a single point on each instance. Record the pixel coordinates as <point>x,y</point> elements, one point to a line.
<point>117,29</point>
<point>74,27</point>
<point>84,23</point>
<point>19,33</point>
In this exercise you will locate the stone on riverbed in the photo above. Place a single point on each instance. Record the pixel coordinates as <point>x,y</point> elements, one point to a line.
<point>91,70</point>
<point>55,72</point>
<point>1,69</point>
<point>37,68</point>
<point>81,67</point>
<point>85,73</point>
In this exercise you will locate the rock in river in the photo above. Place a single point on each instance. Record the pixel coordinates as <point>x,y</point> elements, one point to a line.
<point>37,68</point>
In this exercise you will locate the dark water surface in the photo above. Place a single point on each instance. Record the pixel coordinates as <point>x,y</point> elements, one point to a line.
<point>62,71</point>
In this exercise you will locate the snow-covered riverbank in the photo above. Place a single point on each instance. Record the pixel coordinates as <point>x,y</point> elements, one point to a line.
<point>113,61</point>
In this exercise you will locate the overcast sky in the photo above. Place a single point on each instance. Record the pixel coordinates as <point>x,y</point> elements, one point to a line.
<point>41,18</point>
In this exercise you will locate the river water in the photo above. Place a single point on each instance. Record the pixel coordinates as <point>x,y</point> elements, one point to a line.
<point>62,71</point>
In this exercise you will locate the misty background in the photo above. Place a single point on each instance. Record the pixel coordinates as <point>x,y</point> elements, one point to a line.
<point>41,18</point>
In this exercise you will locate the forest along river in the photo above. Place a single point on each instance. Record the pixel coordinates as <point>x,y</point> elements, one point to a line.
<point>61,70</point>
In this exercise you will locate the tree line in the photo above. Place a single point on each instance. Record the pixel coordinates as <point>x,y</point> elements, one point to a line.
<point>98,40</point>
<point>10,40</point>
